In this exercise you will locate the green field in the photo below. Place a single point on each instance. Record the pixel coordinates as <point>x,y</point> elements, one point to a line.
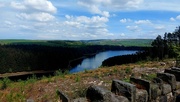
<point>123,42</point>
<point>115,42</point>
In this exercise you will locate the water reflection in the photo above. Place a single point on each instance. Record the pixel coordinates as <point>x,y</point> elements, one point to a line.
<point>96,61</point>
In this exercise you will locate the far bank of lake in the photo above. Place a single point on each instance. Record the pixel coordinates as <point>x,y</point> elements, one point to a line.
<point>96,60</point>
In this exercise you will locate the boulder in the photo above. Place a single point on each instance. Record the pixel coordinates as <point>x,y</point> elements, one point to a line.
<point>174,72</point>
<point>141,95</point>
<point>80,100</point>
<point>63,97</point>
<point>166,89</point>
<point>142,84</point>
<point>99,94</point>
<point>168,78</point>
<point>125,89</point>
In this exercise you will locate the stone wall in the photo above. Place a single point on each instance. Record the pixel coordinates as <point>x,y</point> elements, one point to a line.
<point>164,88</point>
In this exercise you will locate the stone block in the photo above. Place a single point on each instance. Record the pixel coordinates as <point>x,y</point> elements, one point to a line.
<point>177,85</point>
<point>175,68</point>
<point>155,91</point>
<point>80,100</point>
<point>99,94</point>
<point>174,72</point>
<point>162,99</point>
<point>125,89</point>
<point>166,89</point>
<point>141,95</point>
<point>142,84</point>
<point>168,78</point>
<point>63,97</point>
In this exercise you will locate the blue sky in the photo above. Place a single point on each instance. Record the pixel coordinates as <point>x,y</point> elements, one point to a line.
<point>87,19</point>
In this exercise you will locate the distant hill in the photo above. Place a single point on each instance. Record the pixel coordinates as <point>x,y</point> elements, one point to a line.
<point>122,42</point>
<point>114,42</point>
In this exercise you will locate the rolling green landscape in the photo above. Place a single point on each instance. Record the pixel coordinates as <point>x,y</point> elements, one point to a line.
<point>115,42</point>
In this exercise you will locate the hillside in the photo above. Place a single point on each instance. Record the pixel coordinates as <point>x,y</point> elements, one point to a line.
<point>114,42</point>
<point>123,42</point>
<point>75,85</point>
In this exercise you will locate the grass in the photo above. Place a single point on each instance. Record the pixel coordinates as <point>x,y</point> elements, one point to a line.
<point>117,42</point>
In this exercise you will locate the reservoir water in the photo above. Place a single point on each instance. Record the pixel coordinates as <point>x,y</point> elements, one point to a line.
<point>96,61</point>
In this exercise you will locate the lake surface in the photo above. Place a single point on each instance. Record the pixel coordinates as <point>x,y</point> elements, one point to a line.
<point>96,61</point>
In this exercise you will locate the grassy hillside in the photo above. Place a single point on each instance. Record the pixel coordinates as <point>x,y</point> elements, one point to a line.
<point>123,42</point>
<point>75,85</point>
<point>115,42</point>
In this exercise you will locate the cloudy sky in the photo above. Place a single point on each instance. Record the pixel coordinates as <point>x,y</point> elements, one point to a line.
<point>87,19</point>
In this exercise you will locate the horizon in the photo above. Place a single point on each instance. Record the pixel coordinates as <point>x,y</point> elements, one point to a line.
<point>87,19</point>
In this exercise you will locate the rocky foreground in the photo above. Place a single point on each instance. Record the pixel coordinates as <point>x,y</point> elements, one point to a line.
<point>75,87</point>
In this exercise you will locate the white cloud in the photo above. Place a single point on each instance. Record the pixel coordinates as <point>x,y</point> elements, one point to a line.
<point>122,34</point>
<point>35,5</point>
<point>163,5</point>
<point>172,19</point>
<point>133,28</point>
<point>42,5</point>
<point>88,20</point>
<point>87,27</point>
<point>143,22</point>
<point>2,4</point>
<point>18,5</point>
<point>125,20</point>
<point>42,17</point>
<point>178,17</point>
<point>103,7</point>
<point>160,27</point>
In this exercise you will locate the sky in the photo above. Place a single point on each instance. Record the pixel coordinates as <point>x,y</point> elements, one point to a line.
<point>87,19</point>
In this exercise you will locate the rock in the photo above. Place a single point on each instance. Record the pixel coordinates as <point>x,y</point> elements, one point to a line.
<point>155,91</point>
<point>174,72</point>
<point>99,94</point>
<point>168,78</point>
<point>30,100</point>
<point>63,97</point>
<point>175,68</point>
<point>170,97</point>
<point>177,85</point>
<point>80,100</point>
<point>162,99</point>
<point>141,95</point>
<point>125,89</point>
<point>142,84</point>
<point>166,89</point>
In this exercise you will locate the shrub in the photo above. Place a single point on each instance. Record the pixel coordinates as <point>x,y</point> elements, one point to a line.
<point>4,83</point>
<point>128,70</point>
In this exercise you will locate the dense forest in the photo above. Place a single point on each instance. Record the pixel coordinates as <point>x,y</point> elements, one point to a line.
<point>47,55</point>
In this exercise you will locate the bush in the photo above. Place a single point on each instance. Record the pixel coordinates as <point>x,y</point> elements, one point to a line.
<point>4,83</point>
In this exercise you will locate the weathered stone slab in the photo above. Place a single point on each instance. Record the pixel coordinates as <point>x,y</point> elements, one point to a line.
<point>99,94</point>
<point>125,89</point>
<point>80,100</point>
<point>168,78</point>
<point>141,95</point>
<point>166,89</point>
<point>63,97</point>
<point>155,91</point>
<point>175,68</point>
<point>122,99</point>
<point>177,85</point>
<point>162,99</point>
<point>174,72</point>
<point>142,84</point>
<point>30,100</point>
